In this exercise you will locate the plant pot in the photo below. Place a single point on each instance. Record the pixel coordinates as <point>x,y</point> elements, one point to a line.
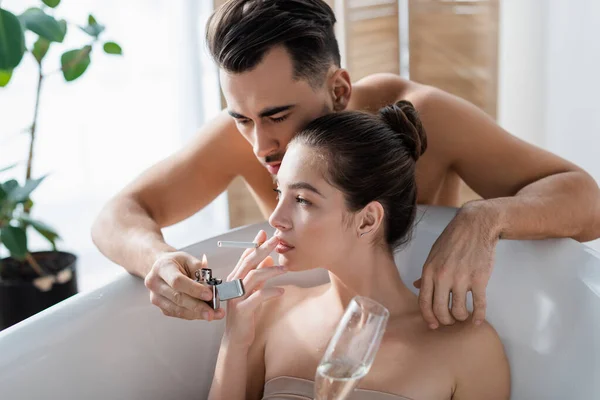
<point>22,294</point>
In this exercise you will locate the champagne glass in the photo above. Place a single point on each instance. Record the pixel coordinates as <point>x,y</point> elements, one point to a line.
<point>351,350</point>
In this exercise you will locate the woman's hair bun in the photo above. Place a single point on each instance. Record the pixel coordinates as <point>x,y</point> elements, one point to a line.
<point>403,118</point>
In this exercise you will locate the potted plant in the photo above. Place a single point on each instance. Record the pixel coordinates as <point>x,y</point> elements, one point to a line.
<point>32,281</point>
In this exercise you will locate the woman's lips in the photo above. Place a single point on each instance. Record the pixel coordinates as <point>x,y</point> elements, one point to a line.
<point>283,247</point>
<point>273,169</point>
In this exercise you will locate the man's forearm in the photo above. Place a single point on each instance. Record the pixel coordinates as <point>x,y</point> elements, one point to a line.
<point>126,234</point>
<point>561,205</point>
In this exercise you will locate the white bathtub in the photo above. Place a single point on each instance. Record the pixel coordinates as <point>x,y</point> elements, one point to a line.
<point>544,300</point>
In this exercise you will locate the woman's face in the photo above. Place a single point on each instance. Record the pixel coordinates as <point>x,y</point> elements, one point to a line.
<point>309,215</point>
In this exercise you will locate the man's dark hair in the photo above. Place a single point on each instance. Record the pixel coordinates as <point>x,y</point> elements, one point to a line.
<point>240,32</point>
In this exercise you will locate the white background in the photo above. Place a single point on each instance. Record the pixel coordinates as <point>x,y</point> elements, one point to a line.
<point>126,113</point>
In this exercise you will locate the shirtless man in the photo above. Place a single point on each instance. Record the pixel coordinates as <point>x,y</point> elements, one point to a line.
<point>279,69</point>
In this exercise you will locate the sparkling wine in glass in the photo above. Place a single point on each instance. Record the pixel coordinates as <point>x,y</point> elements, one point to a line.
<point>352,349</point>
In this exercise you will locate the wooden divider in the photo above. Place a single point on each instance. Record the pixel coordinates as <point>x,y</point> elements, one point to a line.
<point>453,46</point>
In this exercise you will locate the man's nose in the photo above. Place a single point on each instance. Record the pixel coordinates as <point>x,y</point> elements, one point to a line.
<point>264,142</point>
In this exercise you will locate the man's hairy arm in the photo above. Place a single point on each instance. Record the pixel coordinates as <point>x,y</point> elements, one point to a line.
<point>529,193</point>
<point>128,229</point>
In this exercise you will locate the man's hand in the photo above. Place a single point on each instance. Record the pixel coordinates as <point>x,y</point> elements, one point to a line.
<point>173,290</point>
<point>460,261</point>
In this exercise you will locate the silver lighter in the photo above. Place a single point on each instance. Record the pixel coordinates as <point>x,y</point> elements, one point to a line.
<point>221,290</point>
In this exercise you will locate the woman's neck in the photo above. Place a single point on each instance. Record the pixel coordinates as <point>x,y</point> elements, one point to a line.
<point>371,274</point>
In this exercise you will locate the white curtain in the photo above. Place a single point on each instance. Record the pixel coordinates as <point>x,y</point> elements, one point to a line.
<point>548,77</point>
<point>126,113</point>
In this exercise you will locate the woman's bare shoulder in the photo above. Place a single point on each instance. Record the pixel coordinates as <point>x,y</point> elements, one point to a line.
<point>293,296</point>
<point>479,361</point>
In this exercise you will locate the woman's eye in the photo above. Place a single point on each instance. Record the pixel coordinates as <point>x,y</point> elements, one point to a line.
<point>278,193</point>
<point>279,119</point>
<point>243,121</point>
<point>303,201</point>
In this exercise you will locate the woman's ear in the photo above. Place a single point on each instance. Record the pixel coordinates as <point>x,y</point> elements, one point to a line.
<point>341,88</point>
<point>370,219</point>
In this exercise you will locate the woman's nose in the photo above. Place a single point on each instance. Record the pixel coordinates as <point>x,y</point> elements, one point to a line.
<point>279,220</point>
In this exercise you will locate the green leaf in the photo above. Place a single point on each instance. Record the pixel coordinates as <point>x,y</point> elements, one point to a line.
<point>12,41</point>
<point>40,48</point>
<point>37,21</point>
<point>10,185</point>
<point>15,241</point>
<point>21,194</point>
<point>5,77</point>
<point>63,26</point>
<point>93,28</point>
<point>2,196</point>
<point>112,48</point>
<point>45,230</point>
<point>51,3</point>
<point>75,62</point>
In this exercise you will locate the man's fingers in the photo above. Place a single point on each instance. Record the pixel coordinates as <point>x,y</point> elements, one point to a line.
<point>171,309</point>
<point>180,299</point>
<point>441,302</point>
<point>259,297</point>
<point>258,277</point>
<point>479,303</point>
<point>426,302</point>
<point>459,302</point>
<point>417,283</point>
<point>184,284</point>
<point>219,313</point>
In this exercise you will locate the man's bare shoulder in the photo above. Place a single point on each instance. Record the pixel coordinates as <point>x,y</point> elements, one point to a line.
<point>375,91</point>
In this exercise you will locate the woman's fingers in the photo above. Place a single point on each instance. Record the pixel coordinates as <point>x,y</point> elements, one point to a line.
<point>260,238</point>
<point>255,258</point>
<point>257,278</point>
<point>257,298</point>
<point>267,262</point>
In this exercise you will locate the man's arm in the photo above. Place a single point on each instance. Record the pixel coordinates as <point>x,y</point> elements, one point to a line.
<point>536,193</point>
<point>528,193</point>
<point>128,229</point>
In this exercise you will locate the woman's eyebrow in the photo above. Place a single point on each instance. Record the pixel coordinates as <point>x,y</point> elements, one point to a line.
<point>305,185</point>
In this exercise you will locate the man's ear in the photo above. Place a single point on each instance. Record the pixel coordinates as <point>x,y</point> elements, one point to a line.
<point>370,219</point>
<point>341,88</point>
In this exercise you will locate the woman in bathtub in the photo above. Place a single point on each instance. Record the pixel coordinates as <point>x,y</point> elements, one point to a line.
<point>342,207</point>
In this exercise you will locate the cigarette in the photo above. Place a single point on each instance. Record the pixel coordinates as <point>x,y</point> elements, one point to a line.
<point>241,245</point>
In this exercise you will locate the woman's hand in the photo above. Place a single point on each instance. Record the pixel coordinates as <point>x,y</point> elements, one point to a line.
<point>254,268</point>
